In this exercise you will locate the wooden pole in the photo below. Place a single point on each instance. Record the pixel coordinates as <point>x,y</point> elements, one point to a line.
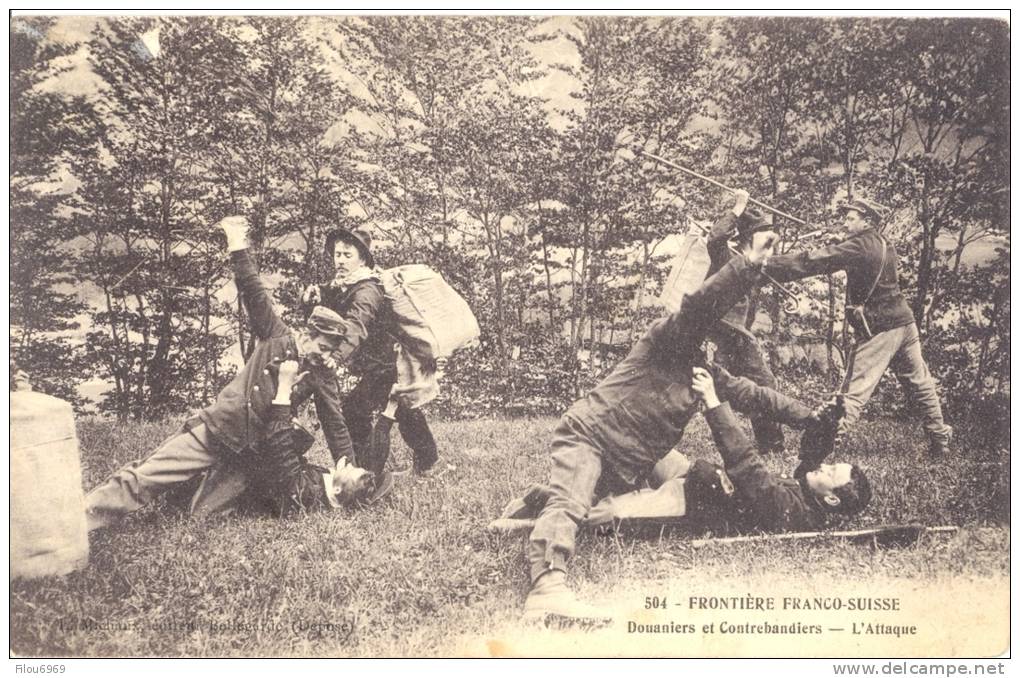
<point>890,530</point>
<point>722,186</point>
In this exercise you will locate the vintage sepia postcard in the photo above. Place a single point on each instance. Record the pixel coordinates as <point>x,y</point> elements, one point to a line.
<point>510,335</point>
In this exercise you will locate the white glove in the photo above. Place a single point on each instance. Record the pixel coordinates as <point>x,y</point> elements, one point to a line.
<point>312,295</point>
<point>741,204</point>
<point>236,230</point>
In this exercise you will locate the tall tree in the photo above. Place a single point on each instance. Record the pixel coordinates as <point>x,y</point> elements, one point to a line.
<point>765,97</point>
<point>44,127</point>
<point>447,132</point>
<point>948,127</point>
<point>274,156</point>
<point>640,86</point>
<point>141,202</point>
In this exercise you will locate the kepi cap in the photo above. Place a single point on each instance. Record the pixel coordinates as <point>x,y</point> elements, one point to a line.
<point>750,222</point>
<point>327,322</point>
<point>869,208</point>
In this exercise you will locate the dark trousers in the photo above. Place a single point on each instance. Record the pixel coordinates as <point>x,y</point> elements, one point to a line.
<point>371,395</point>
<point>741,355</point>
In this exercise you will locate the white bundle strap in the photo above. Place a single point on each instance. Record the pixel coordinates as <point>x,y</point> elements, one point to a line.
<point>687,274</point>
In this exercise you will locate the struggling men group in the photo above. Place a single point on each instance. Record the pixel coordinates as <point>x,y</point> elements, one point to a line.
<point>617,444</point>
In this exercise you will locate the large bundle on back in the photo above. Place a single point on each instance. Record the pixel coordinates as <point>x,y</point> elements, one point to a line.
<point>48,532</point>
<point>432,320</point>
<point>687,273</point>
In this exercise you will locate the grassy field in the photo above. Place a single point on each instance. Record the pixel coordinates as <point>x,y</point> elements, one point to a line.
<point>419,575</point>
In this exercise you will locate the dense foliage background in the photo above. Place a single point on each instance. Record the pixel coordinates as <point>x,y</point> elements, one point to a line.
<point>502,151</point>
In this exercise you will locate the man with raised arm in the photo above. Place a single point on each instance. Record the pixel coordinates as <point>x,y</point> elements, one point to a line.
<point>613,437</point>
<point>227,441</point>
<point>738,349</point>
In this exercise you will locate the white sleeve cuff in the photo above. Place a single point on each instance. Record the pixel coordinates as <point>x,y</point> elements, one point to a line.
<point>327,480</point>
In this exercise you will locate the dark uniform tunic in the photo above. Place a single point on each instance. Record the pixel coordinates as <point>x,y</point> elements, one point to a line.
<point>885,333</point>
<point>738,349</point>
<point>765,501</point>
<point>639,412</point>
<point>238,418</point>
<point>369,353</point>
<point>860,256</point>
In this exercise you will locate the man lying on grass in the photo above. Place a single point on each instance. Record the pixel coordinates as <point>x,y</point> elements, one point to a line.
<point>777,503</point>
<point>610,441</point>
<point>758,499</point>
<point>743,496</point>
<point>239,441</point>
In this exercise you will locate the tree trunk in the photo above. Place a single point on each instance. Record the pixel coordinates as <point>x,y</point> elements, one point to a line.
<point>497,277</point>
<point>830,329</point>
<point>551,302</point>
<point>581,292</point>
<point>115,371</point>
<point>209,365</point>
<point>640,297</point>
<point>929,231</point>
<point>158,373</point>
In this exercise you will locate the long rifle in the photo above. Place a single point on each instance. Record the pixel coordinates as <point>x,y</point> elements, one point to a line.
<point>882,534</point>
<point>792,300</point>
<point>721,185</point>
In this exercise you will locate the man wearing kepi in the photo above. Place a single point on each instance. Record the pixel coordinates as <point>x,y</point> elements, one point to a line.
<point>738,349</point>
<point>613,438</point>
<point>885,333</point>
<point>227,440</point>
<point>278,470</point>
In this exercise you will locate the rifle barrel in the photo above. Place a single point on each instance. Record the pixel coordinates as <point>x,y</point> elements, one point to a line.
<point>721,185</point>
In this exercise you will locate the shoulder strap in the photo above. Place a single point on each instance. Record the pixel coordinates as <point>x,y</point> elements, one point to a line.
<point>878,276</point>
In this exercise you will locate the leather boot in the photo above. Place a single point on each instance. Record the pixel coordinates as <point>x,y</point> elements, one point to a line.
<point>551,599</point>
<point>379,446</point>
<point>938,446</point>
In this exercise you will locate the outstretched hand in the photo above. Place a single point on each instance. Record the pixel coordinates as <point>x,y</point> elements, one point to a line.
<point>236,230</point>
<point>819,437</point>
<point>762,244</point>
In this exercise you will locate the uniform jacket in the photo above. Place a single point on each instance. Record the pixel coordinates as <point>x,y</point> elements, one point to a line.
<point>369,347</point>
<point>860,256</point>
<point>281,473</point>
<point>719,253</point>
<point>638,413</point>
<point>768,502</point>
<point>239,418</point>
